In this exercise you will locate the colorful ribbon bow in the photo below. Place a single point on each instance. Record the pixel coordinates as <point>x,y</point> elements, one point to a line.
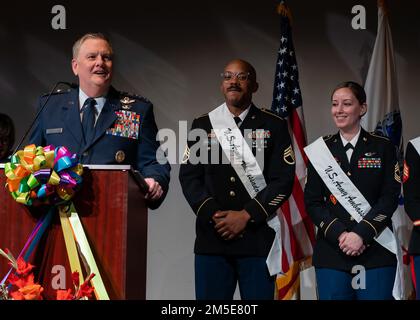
<point>45,175</point>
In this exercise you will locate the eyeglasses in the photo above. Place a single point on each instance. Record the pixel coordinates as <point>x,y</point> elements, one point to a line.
<point>241,76</point>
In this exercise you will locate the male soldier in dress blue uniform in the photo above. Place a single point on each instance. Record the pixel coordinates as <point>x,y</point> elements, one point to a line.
<point>233,238</point>
<point>101,124</point>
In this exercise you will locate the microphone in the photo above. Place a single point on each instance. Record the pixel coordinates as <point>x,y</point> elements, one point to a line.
<point>140,181</point>
<point>69,84</point>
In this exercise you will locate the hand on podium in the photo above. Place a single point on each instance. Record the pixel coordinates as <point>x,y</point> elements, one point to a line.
<point>155,190</point>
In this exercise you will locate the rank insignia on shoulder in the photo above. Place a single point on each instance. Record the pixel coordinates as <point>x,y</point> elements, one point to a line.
<point>406,172</point>
<point>126,103</point>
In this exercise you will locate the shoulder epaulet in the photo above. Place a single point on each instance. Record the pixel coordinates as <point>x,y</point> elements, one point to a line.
<point>59,91</point>
<point>373,134</point>
<point>128,95</point>
<point>271,113</point>
<point>328,137</point>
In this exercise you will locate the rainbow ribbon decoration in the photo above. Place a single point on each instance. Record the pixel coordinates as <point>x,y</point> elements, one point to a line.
<point>52,176</point>
<point>43,175</point>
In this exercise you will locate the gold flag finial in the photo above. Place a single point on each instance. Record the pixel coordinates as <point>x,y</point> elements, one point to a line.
<point>284,10</point>
<point>384,5</point>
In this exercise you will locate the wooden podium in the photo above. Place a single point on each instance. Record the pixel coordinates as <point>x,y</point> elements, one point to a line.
<point>113,212</point>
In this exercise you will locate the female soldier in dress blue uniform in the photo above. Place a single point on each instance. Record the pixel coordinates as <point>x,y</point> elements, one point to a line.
<point>350,263</point>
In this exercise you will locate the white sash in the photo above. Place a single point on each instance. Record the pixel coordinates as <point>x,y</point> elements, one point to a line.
<point>343,188</point>
<point>246,167</point>
<point>237,150</point>
<point>416,144</point>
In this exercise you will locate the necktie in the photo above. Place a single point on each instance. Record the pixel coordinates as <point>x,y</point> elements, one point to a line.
<point>349,150</point>
<point>88,120</point>
<point>348,146</point>
<point>237,120</point>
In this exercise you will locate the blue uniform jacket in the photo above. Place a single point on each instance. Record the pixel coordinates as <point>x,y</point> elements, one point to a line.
<point>60,125</point>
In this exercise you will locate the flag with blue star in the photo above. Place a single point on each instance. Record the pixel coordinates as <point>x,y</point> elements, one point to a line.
<point>286,93</point>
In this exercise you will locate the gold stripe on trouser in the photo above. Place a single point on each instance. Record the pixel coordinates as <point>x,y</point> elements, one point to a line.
<point>70,244</point>
<point>98,284</point>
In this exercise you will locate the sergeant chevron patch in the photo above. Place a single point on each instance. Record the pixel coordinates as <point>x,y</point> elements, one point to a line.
<point>397,175</point>
<point>406,172</point>
<point>289,156</point>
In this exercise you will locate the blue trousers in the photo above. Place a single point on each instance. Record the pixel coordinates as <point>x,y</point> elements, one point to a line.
<point>216,278</point>
<point>374,284</point>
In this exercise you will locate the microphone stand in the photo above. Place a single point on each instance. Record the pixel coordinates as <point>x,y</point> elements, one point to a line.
<point>39,113</point>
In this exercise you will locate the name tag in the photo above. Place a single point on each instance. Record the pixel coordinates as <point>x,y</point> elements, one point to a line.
<point>54,130</point>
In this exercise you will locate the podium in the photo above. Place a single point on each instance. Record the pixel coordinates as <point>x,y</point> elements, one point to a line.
<point>113,213</point>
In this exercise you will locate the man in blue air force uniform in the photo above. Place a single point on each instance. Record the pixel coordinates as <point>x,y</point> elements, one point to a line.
<point>232,202</point>
<point>101,124</point>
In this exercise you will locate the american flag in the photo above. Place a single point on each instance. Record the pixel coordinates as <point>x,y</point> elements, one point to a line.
<point>297,231</point>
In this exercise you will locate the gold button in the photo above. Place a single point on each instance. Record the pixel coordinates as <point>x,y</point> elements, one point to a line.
<point>120,156</point>
<point>232,179</point>
<point>349,174</point>
<point>232,193</point>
